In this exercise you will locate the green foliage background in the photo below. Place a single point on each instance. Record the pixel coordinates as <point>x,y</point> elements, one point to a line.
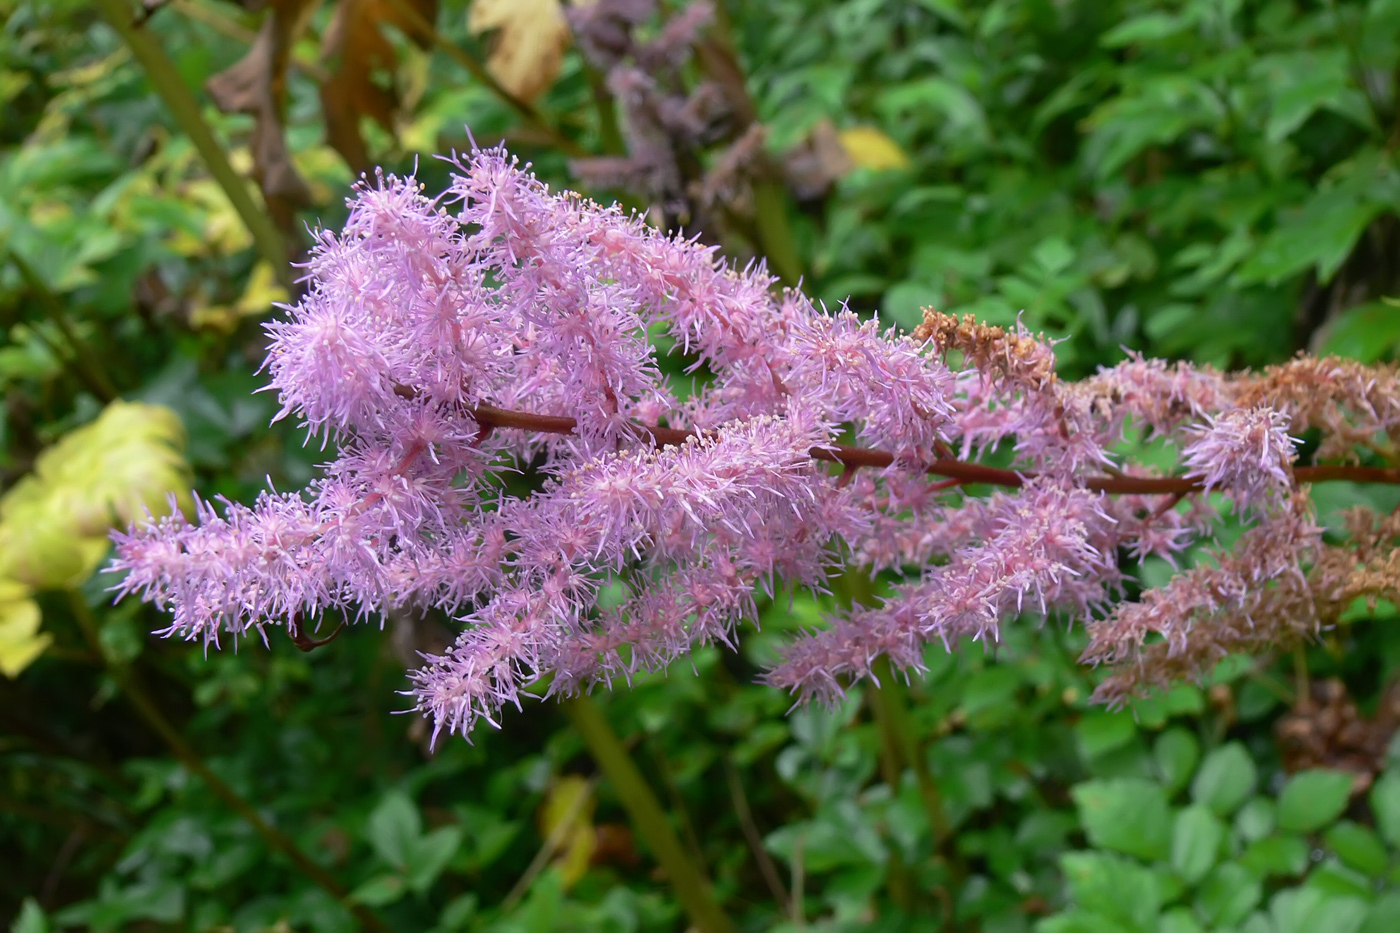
<point>1214,180</point>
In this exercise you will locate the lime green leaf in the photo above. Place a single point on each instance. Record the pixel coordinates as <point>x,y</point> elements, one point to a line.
<point>1312,799</point>
<point>1143,29</point>
<point>1101,731</point>
<point>1384,916</point>
<point>430,855</point>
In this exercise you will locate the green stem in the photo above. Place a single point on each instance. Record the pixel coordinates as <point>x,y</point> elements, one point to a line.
<point>893,707</point>
<point>774,231</point>
<point>276,840</point>
<point>184,107</point>
<point>85,364</point>
<point>692,887</point>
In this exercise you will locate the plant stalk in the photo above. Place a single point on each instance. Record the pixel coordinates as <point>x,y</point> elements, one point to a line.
<point>692,888</point>
<point>276,840</point>
<point>184,107</point>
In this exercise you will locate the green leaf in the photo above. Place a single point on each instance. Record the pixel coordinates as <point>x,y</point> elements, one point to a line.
<point>394,829</point>
<point>31,918</point>
<point>1113,887</point>
<point>379,890</point>
<point>1385,804</point>
<point>1179,920</point>
<point>1158,113</point>
<point>1128,815</point>
<point>1384,916</point>
<point>430,855</point>
<point>1176,753</point>
<point>1301,83</point>
<point>1100,731</point>
<point>1337,880</point>
<point>1307,910</point>
<point>1256,819</point>
<point>1079,921</point>
<point>1358,847</point>
<point>1312,799</point>
<point>1226,779</point>
<point>1196,838</point>
<point>1144,29</point>
<point>1228,895</point>
<point>1366,332</point>
<point>1284,855</point>
<point>904,303</point>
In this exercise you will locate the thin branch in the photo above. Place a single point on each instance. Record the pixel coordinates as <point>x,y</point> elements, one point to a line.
<point>692,888</point>
<point>85,364</point>
<point>276,840</point>
<point>850,456</point>
<point>766,867</point>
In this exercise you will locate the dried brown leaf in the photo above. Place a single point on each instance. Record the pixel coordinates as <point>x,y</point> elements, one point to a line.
<point>361,60</point>
<point>257,85</point>
<point>528,49</point>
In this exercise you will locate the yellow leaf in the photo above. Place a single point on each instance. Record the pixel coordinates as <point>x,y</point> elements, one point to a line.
<point>870,148</point>
<point>257,299</point>
<point>566,819</point>
<point>20,639</point>
<point>54,522</point>
<point>529,48</point>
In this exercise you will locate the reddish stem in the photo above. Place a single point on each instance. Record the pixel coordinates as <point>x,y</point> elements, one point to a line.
<point>963,472</point>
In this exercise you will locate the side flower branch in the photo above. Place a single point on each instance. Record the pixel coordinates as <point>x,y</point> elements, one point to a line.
<point>502,327</point>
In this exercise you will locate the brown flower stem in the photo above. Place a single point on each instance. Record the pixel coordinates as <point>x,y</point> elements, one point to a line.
<point>961,470</point>
<point>754,838</point>
<point>276,840</point>
<point>692,888</point>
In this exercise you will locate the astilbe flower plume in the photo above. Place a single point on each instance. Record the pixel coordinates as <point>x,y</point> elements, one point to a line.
<point>445,342</point>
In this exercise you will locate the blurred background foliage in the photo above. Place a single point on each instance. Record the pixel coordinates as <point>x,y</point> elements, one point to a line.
<point>1214,180</point>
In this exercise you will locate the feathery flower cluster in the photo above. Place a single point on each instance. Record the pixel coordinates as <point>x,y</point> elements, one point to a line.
<point>507,328</point>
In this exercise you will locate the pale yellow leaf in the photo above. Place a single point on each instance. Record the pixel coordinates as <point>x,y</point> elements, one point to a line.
<point>20,639</point>
<point>869,147</point>
<point>54,522</point>
<point>528,50</point>
<point>567,818</point>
